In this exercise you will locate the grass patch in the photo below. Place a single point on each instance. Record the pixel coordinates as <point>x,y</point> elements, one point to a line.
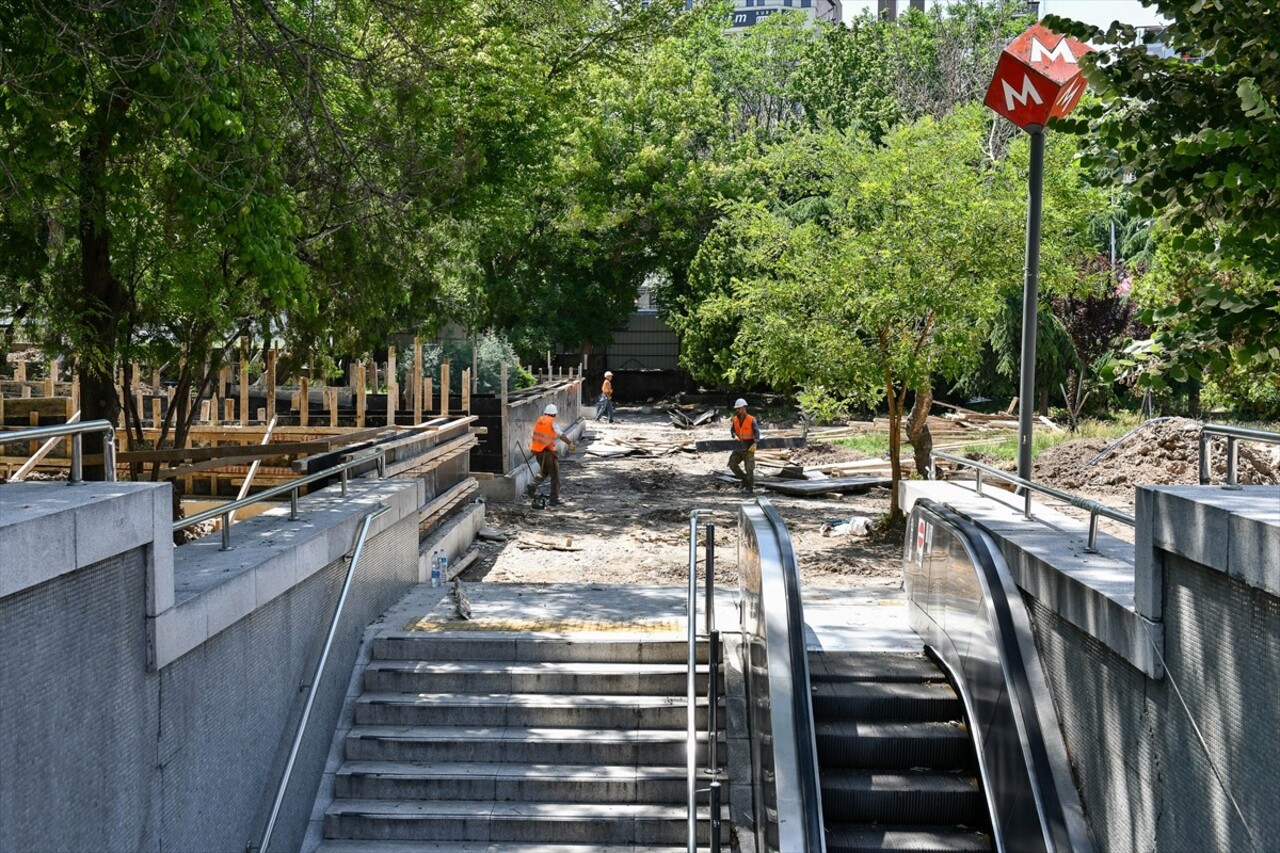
<point>870,444</point>
<point>1042,439</point>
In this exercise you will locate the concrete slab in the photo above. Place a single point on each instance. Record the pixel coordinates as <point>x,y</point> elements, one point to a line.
<point>870,619</point>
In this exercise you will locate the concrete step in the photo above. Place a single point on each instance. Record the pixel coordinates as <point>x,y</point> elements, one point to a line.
<point>406,676</point>
<point>915,797</point>
<point>941,746</point>
<point>521,745</point>
<point>872,839</point>
<point>506,782</point>
<point>350,846</point>
<point>571,711</point>
<point>885,701</point>
<point>538,823</point>
<point>476,646</point>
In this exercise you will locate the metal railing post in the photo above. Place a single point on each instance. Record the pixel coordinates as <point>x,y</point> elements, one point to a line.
<point>293,505</point>
<point>711,579</point>
<point>1092,547</point>
<point>1204,458</point>
<point>979,481</point>
<point>77,455</point>
<point>713,701</point>
<point>343,479</point>
<point>714,798</point>
<point>1026,509</point>
<point>1232,457</point>
<point>226,532</point>
<point>691,736</point>
<point>109,454</point>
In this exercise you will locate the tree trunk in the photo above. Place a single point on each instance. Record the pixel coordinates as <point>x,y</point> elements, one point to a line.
<point>918,429</point>
<point>102,302</point>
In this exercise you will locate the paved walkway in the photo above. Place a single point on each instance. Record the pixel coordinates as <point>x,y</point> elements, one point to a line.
<point>872,619</point>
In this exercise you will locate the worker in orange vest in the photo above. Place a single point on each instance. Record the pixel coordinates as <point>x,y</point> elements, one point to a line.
<point>744,428</point>
<point>545,435</point>
<point>605,409</point>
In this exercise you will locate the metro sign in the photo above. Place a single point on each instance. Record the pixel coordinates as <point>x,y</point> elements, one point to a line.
<point>1038,77</point>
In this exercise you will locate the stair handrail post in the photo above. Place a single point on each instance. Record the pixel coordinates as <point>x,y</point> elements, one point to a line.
<point>301,730</point>
<point>691,692</point>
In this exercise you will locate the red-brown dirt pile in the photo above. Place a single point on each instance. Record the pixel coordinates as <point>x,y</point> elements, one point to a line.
<point>1165,451</point>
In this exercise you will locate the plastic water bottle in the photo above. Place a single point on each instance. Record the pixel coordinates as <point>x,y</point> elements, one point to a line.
<point>436,573</point>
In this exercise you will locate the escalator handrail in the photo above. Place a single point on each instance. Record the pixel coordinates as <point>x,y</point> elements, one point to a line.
<point>798,795</point>
<point>1044,759</point>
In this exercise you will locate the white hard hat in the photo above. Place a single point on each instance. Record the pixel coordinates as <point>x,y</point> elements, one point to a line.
<point>550,409</point>
<point>740,404</point>
<point>608,373</point>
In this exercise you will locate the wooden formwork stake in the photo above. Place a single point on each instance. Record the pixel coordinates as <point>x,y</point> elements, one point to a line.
<point>51,380</point>
<point>304,402</point>
<point>229,410</point>
<point>359,392</point>
<point>244,381</point>
<point>444,388</point>
<point>428,393</point>
<point>466,391</point>
<point>122,391</point>
<point>136,386</point>
<point>204,411</point>
<point>20,371</point>
<point>506,436</point>
<point>155,399</point>
<point>393,391</point>
<point>417,381</point>
<point>333,406</point>
<point>475,370</point>
<point>271,383</point>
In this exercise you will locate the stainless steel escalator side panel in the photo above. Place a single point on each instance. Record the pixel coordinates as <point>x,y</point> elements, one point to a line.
<point>787,797</point>
<point>963,602</point>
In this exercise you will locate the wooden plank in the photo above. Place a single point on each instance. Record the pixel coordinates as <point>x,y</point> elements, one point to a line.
<point>466,391</point>
<point>253,470</point>
<point>304,401</point>
<point>393,390</point>
<point>435,455</point>
<point>444,388</point>
<point>720,444</point>
<point>271,383</point>
<point>416,382</point>
<point>244,381</point>
<point>361,402</point>
<point>332,394</point>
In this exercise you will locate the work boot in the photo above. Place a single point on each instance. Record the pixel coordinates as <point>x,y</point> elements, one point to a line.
<point>555,502</point>
<point>531,490</point>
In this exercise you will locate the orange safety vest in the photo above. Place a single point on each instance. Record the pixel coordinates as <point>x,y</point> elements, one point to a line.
<point>607,388</point>
<point>544,434</point>
<point>744,429</point>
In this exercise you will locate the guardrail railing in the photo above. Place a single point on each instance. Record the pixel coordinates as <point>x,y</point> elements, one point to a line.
<point>227,510</point>
<point>1094,508</point>
<point>713,679</point>
<point>1232,435</point>
<point>76,432</point>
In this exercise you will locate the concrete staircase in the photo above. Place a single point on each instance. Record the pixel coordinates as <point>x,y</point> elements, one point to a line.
<point>897,765</point>
<point>496,742</point>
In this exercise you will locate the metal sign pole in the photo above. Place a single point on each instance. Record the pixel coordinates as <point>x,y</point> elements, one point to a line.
<point>1030,303</point>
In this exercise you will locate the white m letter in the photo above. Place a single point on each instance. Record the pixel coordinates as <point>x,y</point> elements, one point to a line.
<point>1028,91</point>
<point>1061,52</point>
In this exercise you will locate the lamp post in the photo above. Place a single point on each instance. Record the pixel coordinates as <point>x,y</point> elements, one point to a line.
<point>1037,78</point>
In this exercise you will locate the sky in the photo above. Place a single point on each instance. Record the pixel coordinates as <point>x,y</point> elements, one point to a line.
<point>1099,12</point>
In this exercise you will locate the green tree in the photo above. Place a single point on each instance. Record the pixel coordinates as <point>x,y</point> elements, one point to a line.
<point>1197,136</point>
<point>901,278</point>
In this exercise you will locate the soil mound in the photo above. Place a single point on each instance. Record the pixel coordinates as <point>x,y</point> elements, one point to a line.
<point>1164,451</point>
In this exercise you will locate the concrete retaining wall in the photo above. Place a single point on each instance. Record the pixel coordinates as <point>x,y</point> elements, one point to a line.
<point>118,733</point>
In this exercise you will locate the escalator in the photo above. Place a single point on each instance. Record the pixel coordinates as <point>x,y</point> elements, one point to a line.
<point>875,751</point>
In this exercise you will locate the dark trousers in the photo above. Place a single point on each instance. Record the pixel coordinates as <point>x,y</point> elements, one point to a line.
<point>744,458</point>
<point>549,466</point>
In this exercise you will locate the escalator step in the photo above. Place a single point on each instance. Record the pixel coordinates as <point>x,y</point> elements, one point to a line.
<point>875,700</point>
<point>913,797</point>
<point>866,839</point>
<point>941,746</point>
<point>872,666</point>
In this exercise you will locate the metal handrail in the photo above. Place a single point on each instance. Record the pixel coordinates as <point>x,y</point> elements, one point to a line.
<point>691,689</point>
<point>1232,435</point>
<point>1094,508</point>
<point>76,431</point>
<point>225,511</point>
<point>319,673</point>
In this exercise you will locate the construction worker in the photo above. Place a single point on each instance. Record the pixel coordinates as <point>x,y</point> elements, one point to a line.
<point>605,409</point>
<point>545,435</point>
<point>746,431</point>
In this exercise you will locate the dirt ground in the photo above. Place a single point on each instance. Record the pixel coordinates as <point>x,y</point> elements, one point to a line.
<point>625,520</point>
<point>629,517</point>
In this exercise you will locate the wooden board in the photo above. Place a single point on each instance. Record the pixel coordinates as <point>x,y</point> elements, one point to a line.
<point>843,485</point>
<point>728,444</point>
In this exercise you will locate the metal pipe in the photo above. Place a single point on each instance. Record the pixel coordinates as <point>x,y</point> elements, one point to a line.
<point>290,488</point>
<point>75,430</point>
<point>343,479</point>
<point>1231,461</point>
<point>710,596</point>
<point>226,532</point>
<point>1093,533</point>
<point>319,673</point>
<point>293,505</point>
<point>713,700</point>
<point>1030,301</point>
<point>691,735</point>
<point>77,455</point>
<point>1026,509</point>
<point>714,798</point>
<point>1204,457</point>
